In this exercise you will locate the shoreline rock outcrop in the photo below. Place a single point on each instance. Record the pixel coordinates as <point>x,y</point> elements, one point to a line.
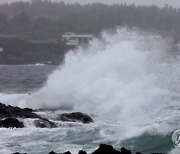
<point>103,149</point>
<point>11,117</point>
<point>75,117</point>
<point>11,123</point>
<point>16,112</point>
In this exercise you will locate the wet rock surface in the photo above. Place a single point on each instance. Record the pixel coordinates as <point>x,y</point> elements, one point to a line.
<point>103,149</point>
<point>11,123</point>
<point>82,152</point>
<point>16,112</point>
<point>106,149</point>
<point>75,117</point>
<point>19,153</point>
<point>52,152</point>
<point>11,116</point>
<point>44,123</point>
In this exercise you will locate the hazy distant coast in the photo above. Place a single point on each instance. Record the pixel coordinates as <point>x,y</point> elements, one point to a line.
<point>35,28</point>
<point>43,19</point>
<point>19,51</point>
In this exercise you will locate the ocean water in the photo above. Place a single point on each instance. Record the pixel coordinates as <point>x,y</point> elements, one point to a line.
<point>23,78</point>
<point>127,81</point>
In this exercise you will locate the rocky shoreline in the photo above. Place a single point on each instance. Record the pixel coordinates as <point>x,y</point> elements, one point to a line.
<point>103,149</point>
<point>13,117</point>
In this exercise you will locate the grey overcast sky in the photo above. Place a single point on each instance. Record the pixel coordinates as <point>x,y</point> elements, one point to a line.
<point>174,3</point>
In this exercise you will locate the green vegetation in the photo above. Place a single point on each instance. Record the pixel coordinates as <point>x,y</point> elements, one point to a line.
<point>18,51</point>
<point>42,20</point>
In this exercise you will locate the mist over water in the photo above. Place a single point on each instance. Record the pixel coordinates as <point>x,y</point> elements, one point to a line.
<point>128,78</point>
<point>122,74</point>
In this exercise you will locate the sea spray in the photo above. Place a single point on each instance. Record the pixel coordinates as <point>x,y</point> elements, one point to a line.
<point>118,78</point>
<point>129,81</point>
<point>124,74</point>
<point>115,72</point>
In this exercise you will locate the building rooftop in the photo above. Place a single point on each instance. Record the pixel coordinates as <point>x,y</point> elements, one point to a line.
<point>71,34</point>
<point>76,39</point>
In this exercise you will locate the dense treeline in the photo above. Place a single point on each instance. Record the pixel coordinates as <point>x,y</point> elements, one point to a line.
<point>18,51</point>
<point>44,19</point>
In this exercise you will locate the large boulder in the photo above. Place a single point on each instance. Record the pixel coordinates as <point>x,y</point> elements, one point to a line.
<point>68,152</point>
<point>44,123</point>
<point>75,117</point>
<point>10,113</point>
<point>82,152</point>
<point>103,148</point>
<point>52,152</point>
<point>125,151</point>
<point>11,123</point>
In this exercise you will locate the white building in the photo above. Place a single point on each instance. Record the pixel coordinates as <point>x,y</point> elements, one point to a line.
<point>1,49</point>
<point>76,39</point>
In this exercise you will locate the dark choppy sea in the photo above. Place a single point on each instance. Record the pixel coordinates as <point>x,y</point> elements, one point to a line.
<point>30,78</point>
<point>23,78</point>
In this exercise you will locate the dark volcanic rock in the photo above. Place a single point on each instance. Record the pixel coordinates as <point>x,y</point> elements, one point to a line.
<point>44,123</point>
<point>82,152</point>
<point>11,122</point>
<point>52,152</point>
<point>11,113</point>
<point>103,148</point>
<point>19,153</point>
<point>125,151</point>
<point>16,112</point>
<point>75,116</point>
<point>68,152</point>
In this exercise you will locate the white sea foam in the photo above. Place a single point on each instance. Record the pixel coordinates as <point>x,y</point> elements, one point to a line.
<point>37,64</point>
<point>128,79</point>
<point>175,151</point>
